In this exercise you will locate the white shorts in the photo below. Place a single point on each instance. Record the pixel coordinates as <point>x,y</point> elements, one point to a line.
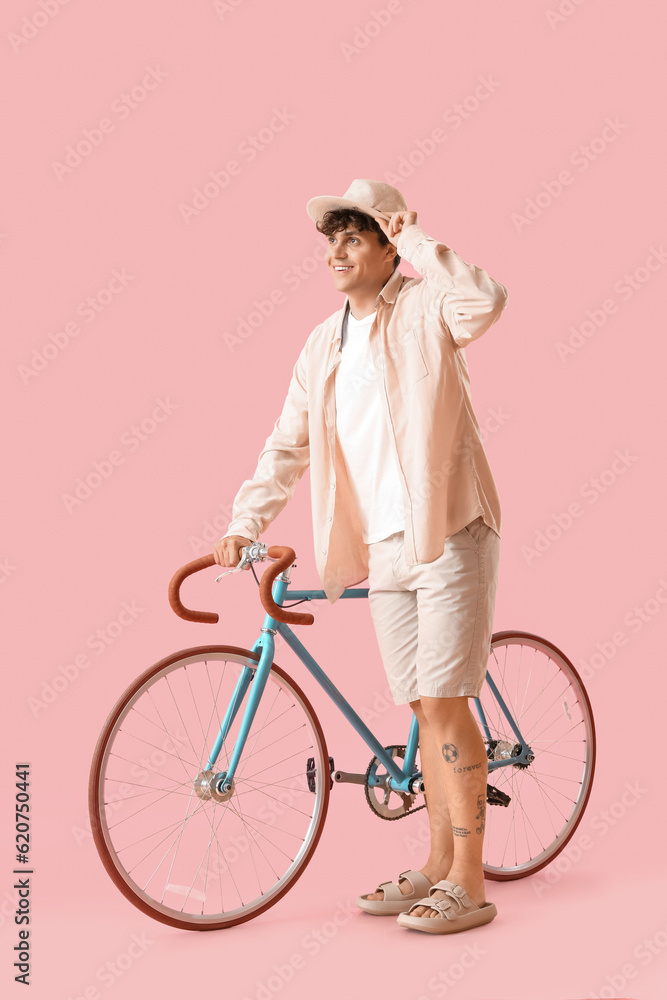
<point>434,621</point>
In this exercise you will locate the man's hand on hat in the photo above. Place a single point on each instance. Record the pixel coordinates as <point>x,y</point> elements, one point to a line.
<point>398,221</point>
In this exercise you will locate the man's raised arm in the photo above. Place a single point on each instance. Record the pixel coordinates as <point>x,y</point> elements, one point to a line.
<point>466,300</point>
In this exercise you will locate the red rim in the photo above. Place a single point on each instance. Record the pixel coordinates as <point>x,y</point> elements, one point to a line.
<point>512,876</point>
<point>96,768</point>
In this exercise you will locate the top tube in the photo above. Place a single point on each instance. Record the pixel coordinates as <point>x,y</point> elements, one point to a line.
<point>319,595</point>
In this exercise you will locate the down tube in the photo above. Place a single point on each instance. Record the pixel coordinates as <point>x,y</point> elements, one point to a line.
<point>343,705</point>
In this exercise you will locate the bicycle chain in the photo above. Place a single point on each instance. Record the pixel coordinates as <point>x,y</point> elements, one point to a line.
<point>389,819</point>
<point>494,796</point>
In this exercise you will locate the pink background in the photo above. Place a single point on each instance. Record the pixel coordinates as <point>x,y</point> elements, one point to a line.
<point>219,74</point>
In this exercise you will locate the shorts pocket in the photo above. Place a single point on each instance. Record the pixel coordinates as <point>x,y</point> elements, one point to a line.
<point>471,533</point>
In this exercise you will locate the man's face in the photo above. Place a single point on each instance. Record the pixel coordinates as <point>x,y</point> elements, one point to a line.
<point>357,261</point>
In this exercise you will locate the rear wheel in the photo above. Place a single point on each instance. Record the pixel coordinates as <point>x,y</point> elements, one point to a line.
<point>175,845</point>
<point>547,796</point>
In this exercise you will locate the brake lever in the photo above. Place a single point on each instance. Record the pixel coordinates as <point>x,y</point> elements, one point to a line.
<point>235,569</point>
<point>251,553</point>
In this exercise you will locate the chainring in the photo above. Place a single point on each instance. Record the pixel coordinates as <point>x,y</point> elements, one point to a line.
<point>381,807</point>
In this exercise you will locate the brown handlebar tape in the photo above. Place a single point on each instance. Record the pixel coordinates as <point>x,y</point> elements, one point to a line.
<point>174,591</point>
<point>284,556</point>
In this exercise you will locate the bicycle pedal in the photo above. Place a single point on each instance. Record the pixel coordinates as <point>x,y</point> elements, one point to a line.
<point>311,773</point>
<point>495,797</point>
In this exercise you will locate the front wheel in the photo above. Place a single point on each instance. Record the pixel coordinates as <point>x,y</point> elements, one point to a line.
<point>545,698</point>
<point>184,856</point>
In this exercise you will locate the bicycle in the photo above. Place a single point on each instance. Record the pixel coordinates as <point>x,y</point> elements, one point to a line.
<point>211,779</point>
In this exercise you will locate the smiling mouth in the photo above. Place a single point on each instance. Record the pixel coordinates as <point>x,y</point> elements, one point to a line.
<point>341,268</point>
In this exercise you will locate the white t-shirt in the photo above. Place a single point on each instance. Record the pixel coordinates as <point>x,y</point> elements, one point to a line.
<point>364,436</point>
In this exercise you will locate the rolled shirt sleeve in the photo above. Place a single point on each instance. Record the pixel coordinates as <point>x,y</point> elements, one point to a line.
<point>466,300</point>
<point>282,462</point>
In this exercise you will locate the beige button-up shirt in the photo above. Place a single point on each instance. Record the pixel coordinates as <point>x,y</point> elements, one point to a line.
<point>417,340</point>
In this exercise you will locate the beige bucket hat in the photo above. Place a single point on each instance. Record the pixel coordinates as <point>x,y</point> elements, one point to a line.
<point>375,198</point>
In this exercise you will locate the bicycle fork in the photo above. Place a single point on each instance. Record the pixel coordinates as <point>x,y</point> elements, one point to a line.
<point>254,678</point>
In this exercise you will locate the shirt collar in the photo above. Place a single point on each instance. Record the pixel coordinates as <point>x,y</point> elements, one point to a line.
<point>389,291</point>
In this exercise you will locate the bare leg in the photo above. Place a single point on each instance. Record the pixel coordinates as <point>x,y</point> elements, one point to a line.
<point>463,767</point>
<point>441,855</point>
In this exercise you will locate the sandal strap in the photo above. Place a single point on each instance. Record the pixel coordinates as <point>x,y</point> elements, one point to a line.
<point>445,907</point>
<point>392,890</point>
<point>457,892</point>
<point>417,880</point>
<point>450,907</point>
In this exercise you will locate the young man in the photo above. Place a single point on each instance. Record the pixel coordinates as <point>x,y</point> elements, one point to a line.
<point>402,494</point>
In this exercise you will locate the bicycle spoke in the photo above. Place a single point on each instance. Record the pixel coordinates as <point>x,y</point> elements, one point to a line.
<point>155,747</point>
<point>545,700</point>
<point>144,767</point>
<point>182,846</point>
<point>180,716</point>
<point>260,730</point>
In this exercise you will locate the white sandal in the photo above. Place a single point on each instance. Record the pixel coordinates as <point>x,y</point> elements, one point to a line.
<point>456,912</point>
<point>394,900</point>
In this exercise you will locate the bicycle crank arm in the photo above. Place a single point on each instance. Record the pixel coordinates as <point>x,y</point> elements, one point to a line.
<point>347,777</point>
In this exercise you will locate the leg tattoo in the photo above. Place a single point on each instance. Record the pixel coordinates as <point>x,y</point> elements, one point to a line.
<point>481,815</point>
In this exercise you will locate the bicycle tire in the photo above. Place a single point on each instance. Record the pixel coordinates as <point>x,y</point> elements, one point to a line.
<point>137,703</point>
<point>537,802</point>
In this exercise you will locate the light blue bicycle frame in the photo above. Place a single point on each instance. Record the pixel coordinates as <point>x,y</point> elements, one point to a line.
<point>256,676</point>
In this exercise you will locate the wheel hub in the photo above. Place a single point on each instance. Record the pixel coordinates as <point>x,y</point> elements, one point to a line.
<point>502,750</point>
<point>209,785</point>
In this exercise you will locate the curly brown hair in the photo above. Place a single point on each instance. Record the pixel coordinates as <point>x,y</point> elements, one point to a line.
<point>338,218</point>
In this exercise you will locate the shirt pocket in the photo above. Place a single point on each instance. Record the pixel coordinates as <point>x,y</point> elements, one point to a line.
<point>410,360</point>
